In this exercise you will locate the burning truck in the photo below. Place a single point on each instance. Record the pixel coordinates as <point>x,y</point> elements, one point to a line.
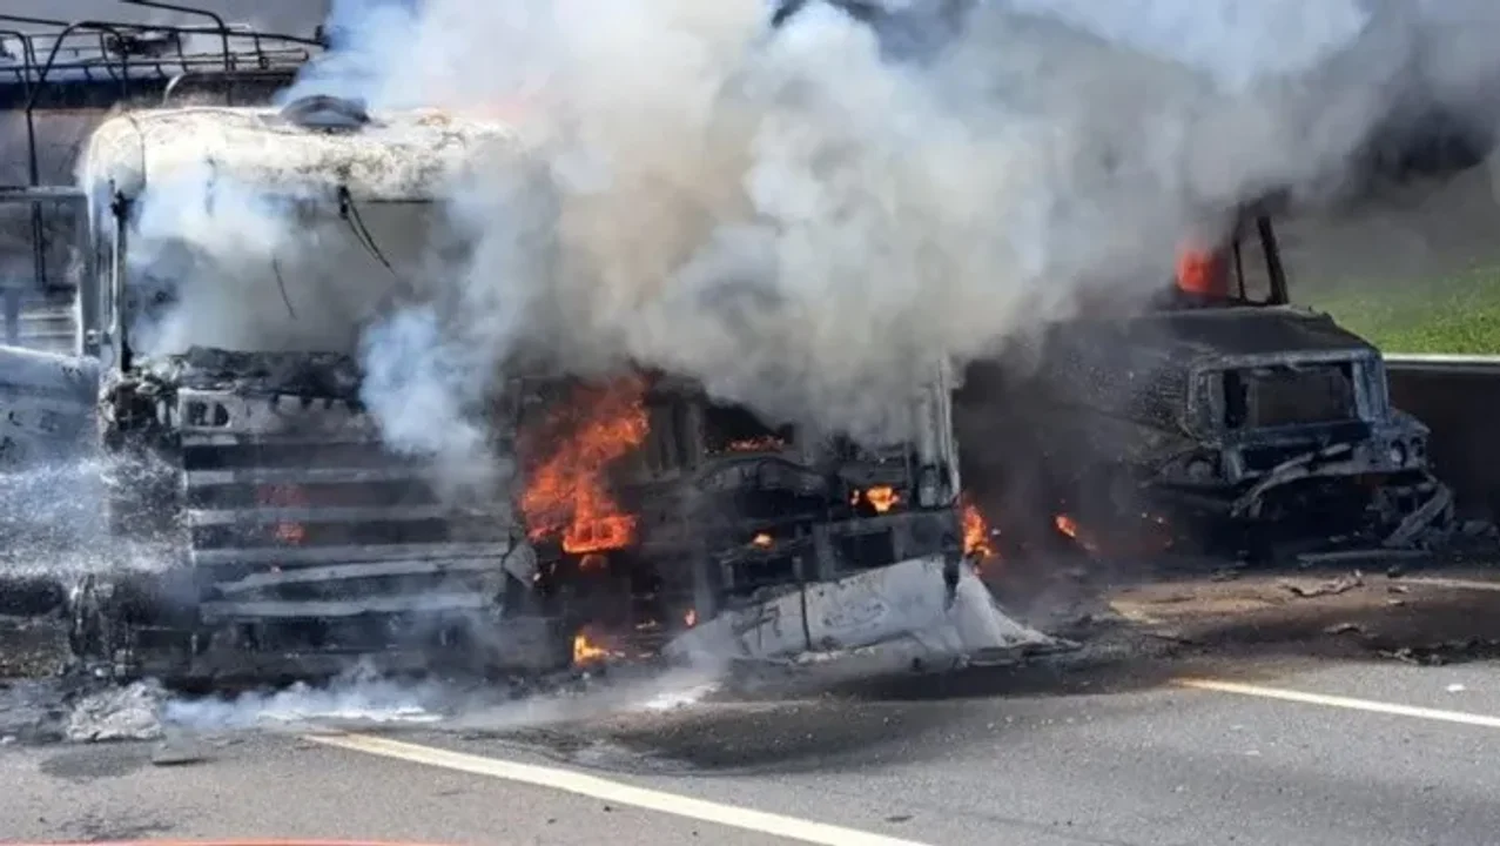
<point>1223,420</point>
<point>287,537</point>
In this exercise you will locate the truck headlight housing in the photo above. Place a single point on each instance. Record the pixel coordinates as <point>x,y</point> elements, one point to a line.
<point>1200,470</point>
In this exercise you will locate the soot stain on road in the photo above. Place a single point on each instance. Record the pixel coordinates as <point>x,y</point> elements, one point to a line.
<point>789,738</point>
<point>91,828</point>
<point>86,764</point>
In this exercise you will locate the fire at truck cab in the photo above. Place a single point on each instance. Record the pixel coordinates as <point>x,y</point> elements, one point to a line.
<point>290,538</point>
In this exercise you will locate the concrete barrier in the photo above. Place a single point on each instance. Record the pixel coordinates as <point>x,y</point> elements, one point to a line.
<point>1459,397</point>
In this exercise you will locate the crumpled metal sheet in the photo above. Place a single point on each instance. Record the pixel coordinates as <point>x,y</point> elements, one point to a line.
<point>132,712</point>
<point>907,606</point>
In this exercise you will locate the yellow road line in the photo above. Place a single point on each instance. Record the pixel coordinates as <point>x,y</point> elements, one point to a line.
<point>582,784</point>
<point>1438,714</point>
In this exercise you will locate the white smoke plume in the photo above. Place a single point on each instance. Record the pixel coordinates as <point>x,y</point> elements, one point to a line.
<point>803,219</point>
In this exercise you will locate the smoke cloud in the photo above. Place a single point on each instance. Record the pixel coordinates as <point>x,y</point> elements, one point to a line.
<point>806,219</point>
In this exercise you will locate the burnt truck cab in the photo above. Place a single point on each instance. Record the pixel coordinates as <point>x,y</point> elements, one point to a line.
<point>259,525</point>
<point>736,538</point>
<point>1234,424</point>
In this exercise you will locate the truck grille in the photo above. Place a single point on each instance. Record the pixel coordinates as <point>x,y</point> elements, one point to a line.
<point>294,510</point>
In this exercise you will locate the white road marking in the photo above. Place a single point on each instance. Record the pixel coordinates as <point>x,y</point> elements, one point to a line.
<point>582,784</point>
<point>1457,584</point>
<point>1438,714</point>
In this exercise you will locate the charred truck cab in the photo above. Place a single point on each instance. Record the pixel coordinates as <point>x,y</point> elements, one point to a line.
<point>285,537</point>
<point>274,532</point>
<point>1224,420</point>
<point>739,539</point>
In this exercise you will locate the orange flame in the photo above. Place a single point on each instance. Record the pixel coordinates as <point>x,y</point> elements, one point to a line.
<point>976,533</point>
<point>882,498</point>
<point>762,540</point>
<point>586,651</point>
<point>1203,272</point>
<point>690,618</point>
<point>565,493</point>
<point>1067,525</point>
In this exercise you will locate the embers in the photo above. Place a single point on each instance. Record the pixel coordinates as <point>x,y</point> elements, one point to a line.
<point>732,429</point>
<point>285,496</point>
<point>878,498</point>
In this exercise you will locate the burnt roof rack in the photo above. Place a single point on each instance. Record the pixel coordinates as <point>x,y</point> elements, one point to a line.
<point>47,63</point>
<point>96,64</point>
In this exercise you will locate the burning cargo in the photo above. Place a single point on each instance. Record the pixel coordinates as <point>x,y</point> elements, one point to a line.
<point>243,256</point>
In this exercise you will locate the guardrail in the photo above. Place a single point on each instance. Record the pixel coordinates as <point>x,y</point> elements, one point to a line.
<point>1458,396</point>
<point>1440,363</point>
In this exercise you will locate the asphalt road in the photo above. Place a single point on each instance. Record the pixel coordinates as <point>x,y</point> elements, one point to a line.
<point>1298,744</point>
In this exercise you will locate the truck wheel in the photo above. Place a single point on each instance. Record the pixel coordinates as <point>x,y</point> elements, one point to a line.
<point>93,622</point>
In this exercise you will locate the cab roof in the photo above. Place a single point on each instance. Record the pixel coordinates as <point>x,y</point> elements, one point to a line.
<point>395,156</point>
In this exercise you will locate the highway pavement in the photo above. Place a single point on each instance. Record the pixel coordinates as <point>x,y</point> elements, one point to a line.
<point>1297,744</point>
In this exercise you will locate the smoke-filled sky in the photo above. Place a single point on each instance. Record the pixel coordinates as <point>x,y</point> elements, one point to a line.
<point>805,220</point>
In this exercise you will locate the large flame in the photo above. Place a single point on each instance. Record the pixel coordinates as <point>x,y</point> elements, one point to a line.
<point>566,494</point>
<point>976,533</point>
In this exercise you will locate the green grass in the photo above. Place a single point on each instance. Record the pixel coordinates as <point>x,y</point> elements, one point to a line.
<point>1458,314</point>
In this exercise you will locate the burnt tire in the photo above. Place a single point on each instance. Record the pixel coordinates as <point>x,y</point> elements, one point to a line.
<point>94,624</point>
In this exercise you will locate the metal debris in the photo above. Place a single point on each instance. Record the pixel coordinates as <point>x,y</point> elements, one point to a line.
<point>1422,519</point>
<point>1478,528</point>
<point>903,608</point>
<point>1406,655</point>
<point>1447,652</point>
<point>1175,637</point>
<point>116,713</point>
<point>1344,628</point>
<point>178,751</point>
<point>1342,584</point>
